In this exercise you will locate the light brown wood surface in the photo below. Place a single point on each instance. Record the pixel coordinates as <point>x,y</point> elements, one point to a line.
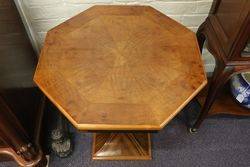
<point>120,68</point>
<point>121,146</point>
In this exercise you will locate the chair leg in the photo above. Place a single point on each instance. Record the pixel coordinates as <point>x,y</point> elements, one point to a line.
<point>220,77</point>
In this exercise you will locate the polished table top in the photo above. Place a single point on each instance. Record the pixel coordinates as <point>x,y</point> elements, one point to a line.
<point>120,68</point>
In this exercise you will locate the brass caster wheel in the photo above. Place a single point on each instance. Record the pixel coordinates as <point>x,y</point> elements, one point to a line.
<point>192,130</point>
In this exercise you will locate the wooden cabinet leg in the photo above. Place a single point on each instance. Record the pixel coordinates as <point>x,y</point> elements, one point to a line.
<point>14,135</point>
<point>43,162</point>
<point>200,37</point>
<point>220,77</point>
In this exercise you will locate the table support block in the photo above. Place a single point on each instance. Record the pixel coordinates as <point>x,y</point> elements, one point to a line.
<point>121,146</point>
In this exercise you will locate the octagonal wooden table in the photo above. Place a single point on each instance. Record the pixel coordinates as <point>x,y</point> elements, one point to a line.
<point>120,68</point>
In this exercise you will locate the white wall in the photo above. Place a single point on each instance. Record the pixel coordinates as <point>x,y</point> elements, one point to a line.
<point>42,15</point>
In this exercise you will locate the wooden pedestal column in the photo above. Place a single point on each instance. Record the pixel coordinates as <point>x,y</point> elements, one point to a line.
<point>121,146</point>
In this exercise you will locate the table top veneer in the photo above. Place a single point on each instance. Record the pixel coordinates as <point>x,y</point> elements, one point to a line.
<point>120,68</point>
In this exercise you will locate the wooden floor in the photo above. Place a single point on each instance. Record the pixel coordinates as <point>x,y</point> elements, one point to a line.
<point>17,60</point>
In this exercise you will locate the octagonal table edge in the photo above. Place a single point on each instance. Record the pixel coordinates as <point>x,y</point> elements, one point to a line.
<point>106,127</point>
<point>204,83</point>
<point>99,127</point>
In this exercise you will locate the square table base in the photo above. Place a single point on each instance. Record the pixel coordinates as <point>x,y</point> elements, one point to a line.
<point>121,146</point>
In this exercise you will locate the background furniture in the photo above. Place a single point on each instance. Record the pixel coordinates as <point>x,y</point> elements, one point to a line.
<point>120,68</point>
<point>227,31</point>
<point>21,104</point>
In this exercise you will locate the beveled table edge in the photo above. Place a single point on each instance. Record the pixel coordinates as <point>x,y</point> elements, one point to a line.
<point>107,127</point>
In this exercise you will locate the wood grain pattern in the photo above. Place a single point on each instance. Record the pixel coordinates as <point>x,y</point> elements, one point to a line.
<point>120,68</point>
<point>121,146</point>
